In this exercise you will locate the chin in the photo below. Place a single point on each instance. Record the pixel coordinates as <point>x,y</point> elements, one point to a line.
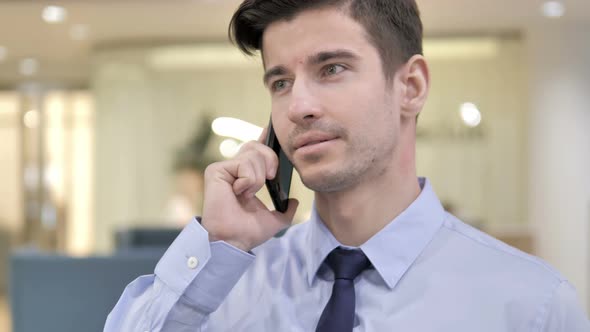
<point>325,181</point>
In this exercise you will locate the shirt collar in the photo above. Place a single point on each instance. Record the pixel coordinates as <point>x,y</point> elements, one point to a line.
<point>393,249</point>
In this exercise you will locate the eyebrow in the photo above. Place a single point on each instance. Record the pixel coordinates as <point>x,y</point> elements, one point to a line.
<point>329,55</point>
<point>313,59</point>
<point>274,71</point>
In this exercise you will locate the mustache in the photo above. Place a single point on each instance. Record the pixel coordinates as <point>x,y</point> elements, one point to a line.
<point>331,129</point>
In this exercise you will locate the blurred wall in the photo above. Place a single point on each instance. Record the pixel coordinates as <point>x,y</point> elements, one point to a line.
<point>559,148</point>
<point>11,207</point>
<point>144,114</point>
<point>480,171</point>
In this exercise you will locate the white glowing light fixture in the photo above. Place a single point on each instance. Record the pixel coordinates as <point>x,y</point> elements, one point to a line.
<point>28,66</point>
<point>31,119</point>
<point>53,178</point>
<point>54,14</point>
<point>79,32</point>
<point>553,9</point>
<point>229,148</point>
<point>236,128</point>
<point>2,53</point>
<point>470,115</point>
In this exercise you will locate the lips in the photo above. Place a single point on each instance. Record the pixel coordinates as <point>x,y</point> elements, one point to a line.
<point>311,139</point>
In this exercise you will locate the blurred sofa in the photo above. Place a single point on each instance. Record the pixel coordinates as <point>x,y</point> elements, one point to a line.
<point>54,293</point>
<point>145,238</point>
<point>5,239</point>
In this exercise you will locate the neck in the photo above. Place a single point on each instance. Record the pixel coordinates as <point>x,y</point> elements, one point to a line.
<point>356,214</point>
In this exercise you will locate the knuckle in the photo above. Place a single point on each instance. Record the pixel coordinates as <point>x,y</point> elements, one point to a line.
<point>258,154</point>
<point>248,146</point>
<point>251,170</point>
<point>253,182</point>
<point>270,158</point>
<point>273,156</point>
<point>255,156</point>
<point>260,182</point>
<point>212,168</point>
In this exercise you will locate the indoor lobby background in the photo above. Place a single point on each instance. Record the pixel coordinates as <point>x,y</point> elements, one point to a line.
<point>110,110</point>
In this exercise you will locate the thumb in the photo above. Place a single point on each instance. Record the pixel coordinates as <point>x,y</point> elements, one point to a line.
<point>287,216</point>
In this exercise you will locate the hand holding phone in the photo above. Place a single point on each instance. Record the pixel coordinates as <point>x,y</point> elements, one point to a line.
<point>279,187</point>
<point>231,210</point>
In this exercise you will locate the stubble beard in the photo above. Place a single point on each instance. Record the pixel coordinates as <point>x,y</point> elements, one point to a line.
<point>363,160</point>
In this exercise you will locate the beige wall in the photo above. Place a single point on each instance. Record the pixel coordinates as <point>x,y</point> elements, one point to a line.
<point>483,176</point>
<point>559,148</point>
<point>143,116</point>
<point>11,207</point>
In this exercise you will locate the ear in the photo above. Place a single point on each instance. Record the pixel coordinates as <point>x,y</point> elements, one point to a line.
<point>416,84</point>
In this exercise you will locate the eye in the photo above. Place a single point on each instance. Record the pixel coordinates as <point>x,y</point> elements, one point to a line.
<point>278,85</point>
<point>333,69</point>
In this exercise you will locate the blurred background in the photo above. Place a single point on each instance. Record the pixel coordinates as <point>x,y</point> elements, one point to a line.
<point>110,111</point>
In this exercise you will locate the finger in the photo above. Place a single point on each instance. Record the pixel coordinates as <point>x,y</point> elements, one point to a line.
<point>259,168</point>
<point>245,177</point>
<point>262,137</point>
<point>226,171</point>
<point>280,220</point>
<point>271,160</point>
<point>287,216</point>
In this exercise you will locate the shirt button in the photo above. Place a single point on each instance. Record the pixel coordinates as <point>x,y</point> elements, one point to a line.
<point>192,262</point>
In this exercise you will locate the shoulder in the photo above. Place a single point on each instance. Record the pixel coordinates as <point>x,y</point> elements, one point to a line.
<point>499,271</point>
<point>497,275</point>
<point>495,249</point>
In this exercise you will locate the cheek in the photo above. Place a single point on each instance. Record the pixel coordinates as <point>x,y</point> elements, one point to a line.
<point>280,124</point>
<point>379,115</point>
<point>278,111</point>
<point>277,106</point>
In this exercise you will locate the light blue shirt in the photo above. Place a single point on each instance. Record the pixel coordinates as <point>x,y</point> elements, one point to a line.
<point>431,273</point>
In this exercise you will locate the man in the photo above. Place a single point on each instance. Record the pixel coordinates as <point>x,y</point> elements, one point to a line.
<point>347,81</point>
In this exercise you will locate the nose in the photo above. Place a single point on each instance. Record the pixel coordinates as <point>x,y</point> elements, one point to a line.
<point>304,106</point>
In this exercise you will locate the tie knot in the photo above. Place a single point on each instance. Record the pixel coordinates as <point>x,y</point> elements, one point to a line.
<point>347,264</point>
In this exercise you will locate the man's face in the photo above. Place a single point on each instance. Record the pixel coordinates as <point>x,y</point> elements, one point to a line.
<point>336,116</point>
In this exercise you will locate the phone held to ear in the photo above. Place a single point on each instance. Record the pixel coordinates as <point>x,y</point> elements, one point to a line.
<point>278,188</point>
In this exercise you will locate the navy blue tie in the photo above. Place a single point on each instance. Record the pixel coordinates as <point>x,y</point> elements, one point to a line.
<point>338,315</point>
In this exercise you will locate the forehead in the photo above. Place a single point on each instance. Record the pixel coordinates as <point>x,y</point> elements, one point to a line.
<point>310,32</point>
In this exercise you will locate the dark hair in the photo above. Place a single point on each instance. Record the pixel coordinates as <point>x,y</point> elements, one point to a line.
<point>393,27</point>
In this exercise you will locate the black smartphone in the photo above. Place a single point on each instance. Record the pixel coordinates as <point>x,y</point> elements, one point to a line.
<point>278,188</point>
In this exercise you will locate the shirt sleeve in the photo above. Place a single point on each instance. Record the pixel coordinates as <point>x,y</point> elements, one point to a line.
<point>564,313</point>
<point>191,280</point>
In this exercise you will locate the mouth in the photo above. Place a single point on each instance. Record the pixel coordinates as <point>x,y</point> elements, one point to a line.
<point>312,139</point>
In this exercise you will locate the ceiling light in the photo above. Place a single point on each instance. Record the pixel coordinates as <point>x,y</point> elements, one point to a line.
<point>2,53</point>
<point>28,66</point>
<point>79,32</point>
<point>31,119</point>
<point>236,128</point>
<point>553,9</point>
<point>54,14</point>
<point>470,115</point>
<point>229,148</point>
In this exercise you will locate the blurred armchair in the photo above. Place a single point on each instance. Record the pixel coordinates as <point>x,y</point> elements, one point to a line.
<point>66,294</point>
